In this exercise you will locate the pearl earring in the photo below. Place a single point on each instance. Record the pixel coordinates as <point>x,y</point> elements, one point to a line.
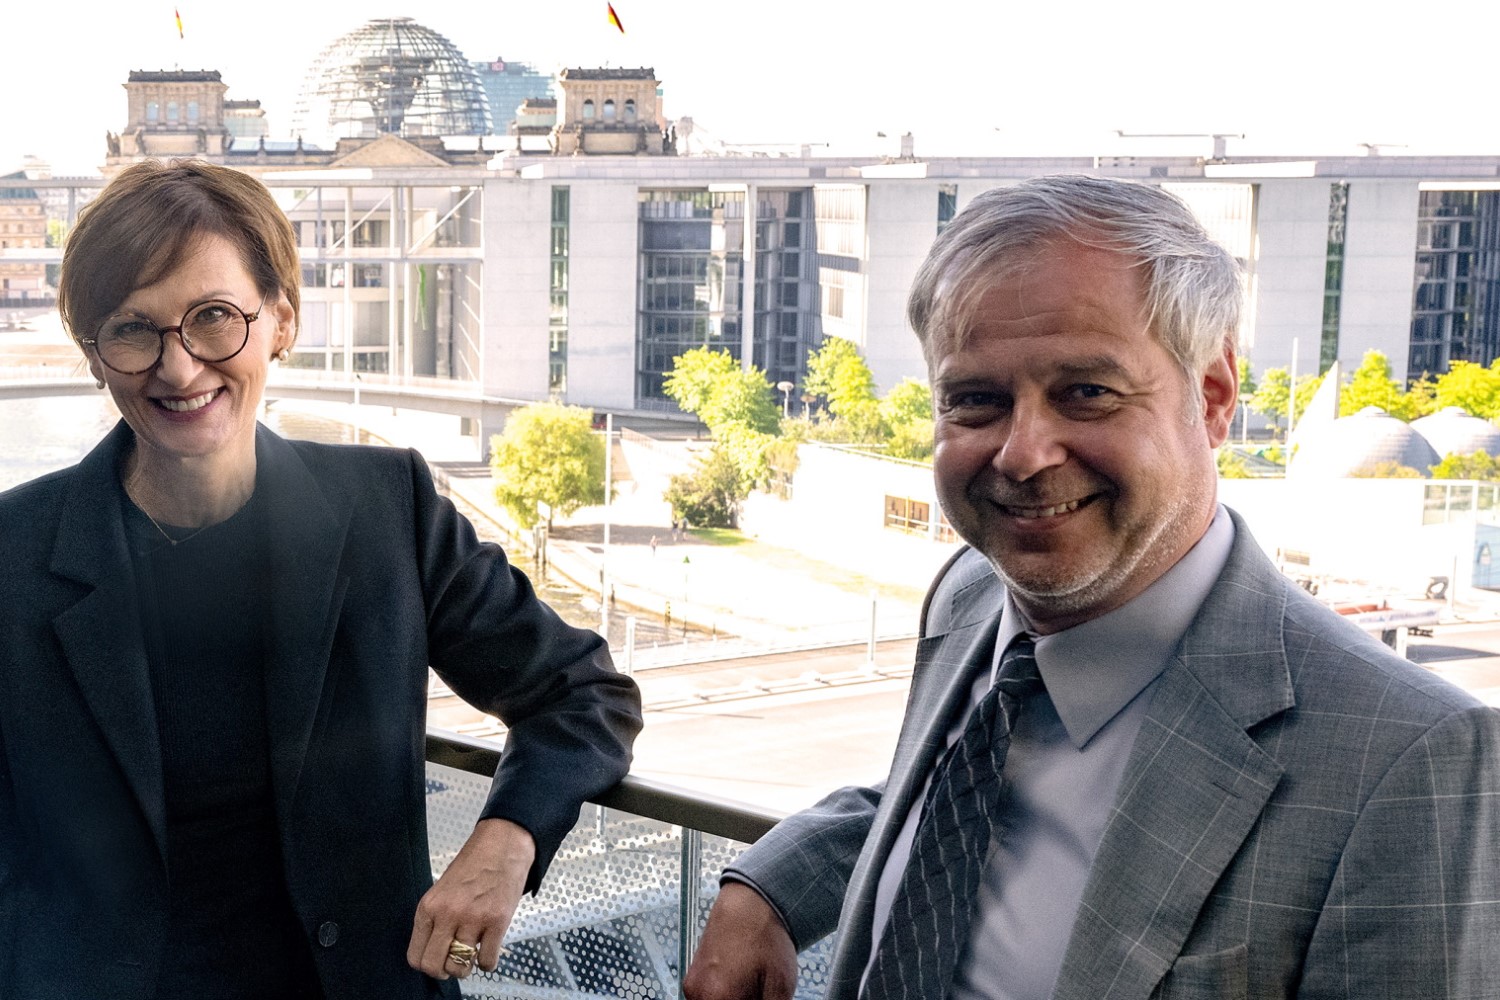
<point>283,355</point>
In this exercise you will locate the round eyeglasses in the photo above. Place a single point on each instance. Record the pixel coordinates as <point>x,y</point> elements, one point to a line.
<point>212,332</point>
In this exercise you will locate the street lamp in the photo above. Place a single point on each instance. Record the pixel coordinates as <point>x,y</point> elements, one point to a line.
<point>786,397</point>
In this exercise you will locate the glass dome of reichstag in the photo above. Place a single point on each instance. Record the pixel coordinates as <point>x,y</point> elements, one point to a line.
<point>391,76</point>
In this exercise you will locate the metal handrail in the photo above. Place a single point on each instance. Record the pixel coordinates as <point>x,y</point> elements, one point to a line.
<point>641,796</point>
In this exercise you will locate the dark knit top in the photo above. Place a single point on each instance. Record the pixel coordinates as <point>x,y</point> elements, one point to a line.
<point>232,932</point>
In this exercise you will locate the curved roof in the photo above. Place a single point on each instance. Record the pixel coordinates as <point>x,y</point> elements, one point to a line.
<point>391,76</point>
<point>1452,430</point>
<point>1355,443</point>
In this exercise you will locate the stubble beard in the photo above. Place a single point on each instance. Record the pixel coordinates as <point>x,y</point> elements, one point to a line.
<point>1146,554</point>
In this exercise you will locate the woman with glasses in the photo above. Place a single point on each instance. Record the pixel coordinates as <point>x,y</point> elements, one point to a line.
<point>214,647</point>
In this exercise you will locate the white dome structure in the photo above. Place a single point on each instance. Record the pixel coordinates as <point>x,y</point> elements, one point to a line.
<point>392,76</point>
<point>1454,431</point>
<point>1353,444</point>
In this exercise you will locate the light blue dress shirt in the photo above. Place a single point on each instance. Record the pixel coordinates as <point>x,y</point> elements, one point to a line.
<point>1062,774</point>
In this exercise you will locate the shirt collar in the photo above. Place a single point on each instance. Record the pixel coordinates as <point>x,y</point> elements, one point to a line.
<point>1135,640</point>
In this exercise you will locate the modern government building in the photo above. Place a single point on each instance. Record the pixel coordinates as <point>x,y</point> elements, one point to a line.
<point>572,245</point>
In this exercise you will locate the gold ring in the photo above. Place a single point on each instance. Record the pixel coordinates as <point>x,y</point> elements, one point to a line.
<point>462,955</point>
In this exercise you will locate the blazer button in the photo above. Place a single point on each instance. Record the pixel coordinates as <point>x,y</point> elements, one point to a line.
<point>328,934</point>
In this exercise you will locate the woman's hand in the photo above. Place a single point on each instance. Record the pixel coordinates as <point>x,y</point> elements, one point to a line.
<point>474,900</point>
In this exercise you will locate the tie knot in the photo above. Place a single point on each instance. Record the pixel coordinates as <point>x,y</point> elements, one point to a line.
<point>1018,675</point>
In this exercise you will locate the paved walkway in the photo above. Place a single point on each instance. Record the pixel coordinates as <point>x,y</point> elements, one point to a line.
<point>764,593</point>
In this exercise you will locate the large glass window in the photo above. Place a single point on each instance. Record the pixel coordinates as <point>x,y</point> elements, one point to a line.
<point>947,206</point>
<point>1456,295</point>
<point>689,281</point>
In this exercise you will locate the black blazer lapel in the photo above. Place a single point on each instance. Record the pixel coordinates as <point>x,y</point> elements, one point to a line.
<point>101,634</point>
<point>306,529</point>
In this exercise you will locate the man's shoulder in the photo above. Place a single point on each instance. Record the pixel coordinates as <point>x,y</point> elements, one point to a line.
<point>1334,663</point>
<point>965,590</point>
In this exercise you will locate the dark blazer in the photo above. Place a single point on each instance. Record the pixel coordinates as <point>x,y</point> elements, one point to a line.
<point>1303,814</point>
<point>377,577</point>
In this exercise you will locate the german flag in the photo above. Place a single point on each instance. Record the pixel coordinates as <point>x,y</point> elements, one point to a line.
<point>176,13</point>
<point>615,18</point>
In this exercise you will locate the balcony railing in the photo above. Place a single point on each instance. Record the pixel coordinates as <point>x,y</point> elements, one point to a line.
<point>623,905</point>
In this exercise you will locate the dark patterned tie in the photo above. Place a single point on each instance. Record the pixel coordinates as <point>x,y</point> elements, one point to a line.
<point>928,925</point>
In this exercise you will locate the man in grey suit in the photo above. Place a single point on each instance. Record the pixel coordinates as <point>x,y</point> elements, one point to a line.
<point>1223,790</point>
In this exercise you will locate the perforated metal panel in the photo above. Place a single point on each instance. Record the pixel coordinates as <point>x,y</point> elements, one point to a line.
<point>606,922</point>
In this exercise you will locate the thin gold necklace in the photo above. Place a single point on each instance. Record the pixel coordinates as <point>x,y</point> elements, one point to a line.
<point>163,531</point>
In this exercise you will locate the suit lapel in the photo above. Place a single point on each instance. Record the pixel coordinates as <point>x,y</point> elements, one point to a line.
<point>1194,787</point>
<point>306,531</point>
<point>944,671</point>
<point>101,634</point>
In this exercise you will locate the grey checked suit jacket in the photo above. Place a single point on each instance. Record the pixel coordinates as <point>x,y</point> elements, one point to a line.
<point>1303,813</point>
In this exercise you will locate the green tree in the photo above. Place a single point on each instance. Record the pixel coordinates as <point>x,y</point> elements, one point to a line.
<point>1476,465</point>
<point>837,373</point>
<point>911,441</point>
<point>1372,385</point>
<point>1271,397</point>
<point>1423,395</point>
<point>57,232</point>
<point>548,453</point>
<point>710,495</point>
<point>909,401</point>
<point>1232,464</point>
<point>712,385</point>
<point>1474,388</point>
<point>906,413</point>
<point>1307,387</point>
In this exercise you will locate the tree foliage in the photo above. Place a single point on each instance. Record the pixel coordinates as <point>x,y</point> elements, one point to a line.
<point>710,495</point>
<point>1476,465</point>
<point>911,441</point>
<point>740,410</point>
<point>837,373</point>
<point>1389,469</point>
<point>909,401</point>
<point>1271,397</point>
<point>547,453</point>
<point>1232,464</point>
<point>1371,385</point>
<point>712,385</point>
<point>1274,396</point>
<point>1474,388</point>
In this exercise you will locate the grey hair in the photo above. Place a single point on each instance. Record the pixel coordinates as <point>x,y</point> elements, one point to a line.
<point>1193,290</point>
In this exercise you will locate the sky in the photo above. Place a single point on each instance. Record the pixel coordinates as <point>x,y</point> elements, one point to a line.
<point>1295,77</point>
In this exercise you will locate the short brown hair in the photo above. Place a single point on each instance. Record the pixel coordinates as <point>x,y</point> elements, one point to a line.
<point>134,233</point>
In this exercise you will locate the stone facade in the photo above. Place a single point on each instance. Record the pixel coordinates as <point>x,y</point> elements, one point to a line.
<point>609,112</point>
